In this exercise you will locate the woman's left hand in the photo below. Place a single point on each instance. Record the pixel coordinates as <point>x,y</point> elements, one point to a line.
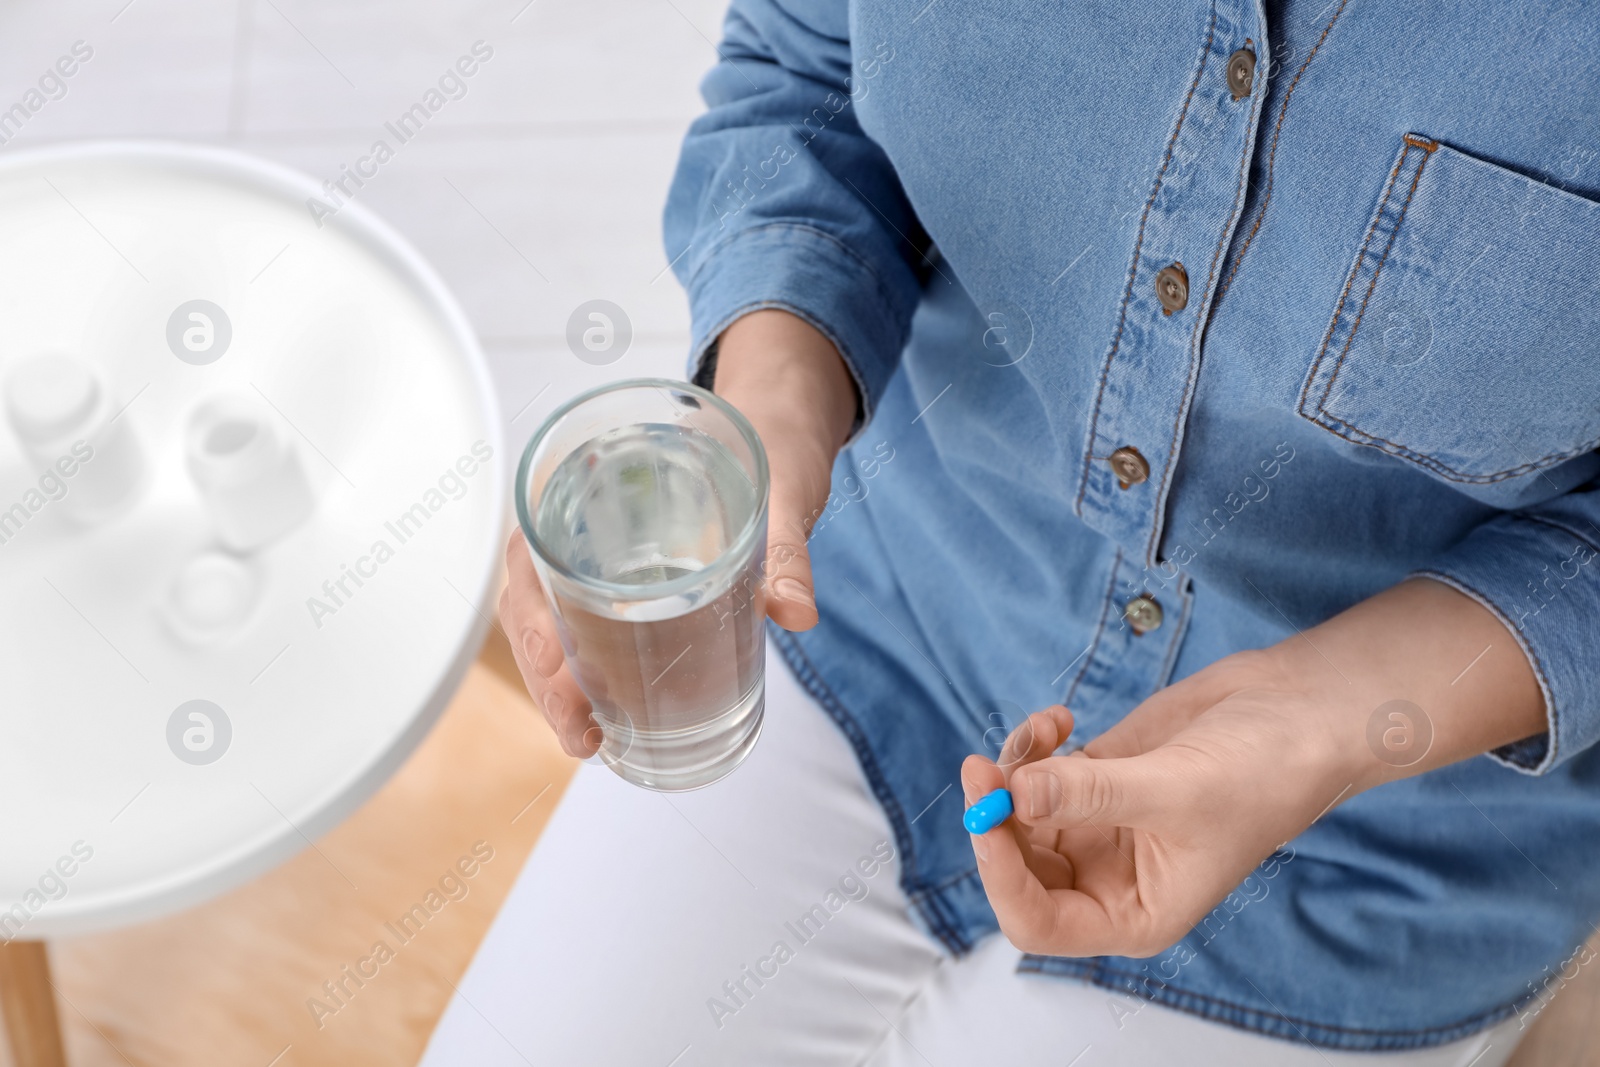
<point>1121,847</point>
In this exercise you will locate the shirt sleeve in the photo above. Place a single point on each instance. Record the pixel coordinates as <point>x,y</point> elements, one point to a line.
<point>1538,569</point>
<point>781,201</point>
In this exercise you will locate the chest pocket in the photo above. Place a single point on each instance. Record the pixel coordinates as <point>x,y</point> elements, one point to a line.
<point>1465,339</point>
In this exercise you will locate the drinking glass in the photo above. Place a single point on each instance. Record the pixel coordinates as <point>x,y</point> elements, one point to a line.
<point>644,507</point>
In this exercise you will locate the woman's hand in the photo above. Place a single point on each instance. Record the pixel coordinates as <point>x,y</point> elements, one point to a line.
<point>1121,847</point>
<point>790,382</point>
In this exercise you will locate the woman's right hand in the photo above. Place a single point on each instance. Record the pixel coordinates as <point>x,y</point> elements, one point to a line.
<point>790,382</point>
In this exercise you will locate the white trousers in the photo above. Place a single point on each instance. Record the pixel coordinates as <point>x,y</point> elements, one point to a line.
<point>756,923</point>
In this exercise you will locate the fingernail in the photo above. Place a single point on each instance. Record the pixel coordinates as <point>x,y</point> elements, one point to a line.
<point>792,589</point>
<point>1042,796</point>
<point>530,650</point>
<point>980,847</point>
<point>988,812</point>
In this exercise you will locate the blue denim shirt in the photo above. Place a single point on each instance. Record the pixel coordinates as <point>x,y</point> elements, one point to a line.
<point>1386,365</point>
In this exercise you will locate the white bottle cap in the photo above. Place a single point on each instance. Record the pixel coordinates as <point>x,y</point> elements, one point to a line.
<point>52,397</point>
<point>212,596</point>
<point>247,469</point>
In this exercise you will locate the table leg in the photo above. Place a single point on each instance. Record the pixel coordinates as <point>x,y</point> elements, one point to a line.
<point>29,1004</point>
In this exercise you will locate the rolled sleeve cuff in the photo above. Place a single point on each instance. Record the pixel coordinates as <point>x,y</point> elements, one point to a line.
<point>1553,621</point>
<point>805,271</point>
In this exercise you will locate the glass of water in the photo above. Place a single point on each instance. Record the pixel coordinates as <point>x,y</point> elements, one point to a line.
<point>644,506</point>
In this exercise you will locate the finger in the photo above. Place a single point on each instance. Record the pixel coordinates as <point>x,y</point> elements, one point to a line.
<point>564,706</point>
<point>979,778</point>
<point>801,470</point>
<point>790,382</point>
<point>1067,792</point>
<point>531,632</point>
<point>791,601</point>
<point>1038,736</point>
<point>1032,916</point>
<point>567,709</point>
<point>800,473</point>
<point>529,626</point>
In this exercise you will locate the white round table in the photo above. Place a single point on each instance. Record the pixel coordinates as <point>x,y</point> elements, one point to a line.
<point>315,662</point>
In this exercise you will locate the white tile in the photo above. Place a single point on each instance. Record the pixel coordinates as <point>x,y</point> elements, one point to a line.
<point>540,189</point>
<point>160,68</point>
<point>553,64</point>
<point>526,229</point>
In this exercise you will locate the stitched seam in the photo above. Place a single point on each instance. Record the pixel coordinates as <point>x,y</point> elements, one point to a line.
<point>1138,250</point>
<point>1093,971</point>
<point>1563,527</point>
<point>932,908</point>
<point>1202,314</point>
<point>1100,627</point>
<point>1437,466</point>
<point>971,873</point>
<point>809,678</point>
<point>1394,235</point>
<point>848,356</point>
<point>1542,676</point>
<point>1272,154</point>
<point>1324,416</point>
<point>812,231</point>
<point>1178,634</point>
<point>1355,272</point>
<point>938,900</point>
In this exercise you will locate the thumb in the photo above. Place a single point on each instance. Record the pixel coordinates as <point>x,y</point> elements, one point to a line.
<point>794,387</point>
<point>1066,792</point>
<point>790,600</point>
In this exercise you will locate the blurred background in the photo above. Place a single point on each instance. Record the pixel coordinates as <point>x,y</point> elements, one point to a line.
<point>536,188</point>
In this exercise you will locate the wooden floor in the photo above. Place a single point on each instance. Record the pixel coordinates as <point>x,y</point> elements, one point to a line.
<point>228,984</point>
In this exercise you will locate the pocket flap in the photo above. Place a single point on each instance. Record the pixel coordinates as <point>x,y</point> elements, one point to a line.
<point>1465,339</point>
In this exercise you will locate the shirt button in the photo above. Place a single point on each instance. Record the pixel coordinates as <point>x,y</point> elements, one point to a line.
<point>1241,73</point>
<point>1129,466</point>
<point>1172,288</point>
<point>1143,614</point>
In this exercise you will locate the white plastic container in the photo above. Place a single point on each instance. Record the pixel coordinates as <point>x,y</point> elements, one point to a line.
<point>212,597</point>
<point>248,471</point>
<point>65,415</point>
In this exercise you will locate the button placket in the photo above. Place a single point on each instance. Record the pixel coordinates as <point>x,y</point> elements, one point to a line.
<point>1130,663</point>
<point>1143,397</point>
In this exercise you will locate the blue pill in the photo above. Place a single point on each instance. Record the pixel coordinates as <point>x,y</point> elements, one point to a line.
<point>988,813</point>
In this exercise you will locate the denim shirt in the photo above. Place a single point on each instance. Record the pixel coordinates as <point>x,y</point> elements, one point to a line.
<point>1070,486</point>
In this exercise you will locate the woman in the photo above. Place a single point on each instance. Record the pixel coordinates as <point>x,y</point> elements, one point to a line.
<point>1222,373</point>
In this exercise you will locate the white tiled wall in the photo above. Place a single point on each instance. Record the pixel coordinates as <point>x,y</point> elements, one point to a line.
<point>554,163</point>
